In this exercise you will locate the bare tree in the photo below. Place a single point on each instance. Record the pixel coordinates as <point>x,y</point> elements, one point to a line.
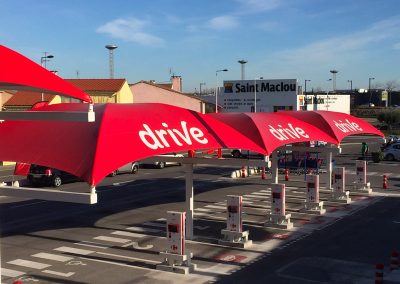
<point>391,86</point>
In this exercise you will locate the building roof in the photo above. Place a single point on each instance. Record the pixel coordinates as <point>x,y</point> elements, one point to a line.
<point>101,85</point>
<point>24,98</point>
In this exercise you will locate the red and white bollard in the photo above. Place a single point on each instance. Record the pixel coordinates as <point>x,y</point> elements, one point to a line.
<point>243,171</point>
<point>379,273</point>
<point>385,182</point>
<point>191,153</point>
<point>262,172</point>
<point>286,174</point>
<point>394,260</point>
<point>219,153</point>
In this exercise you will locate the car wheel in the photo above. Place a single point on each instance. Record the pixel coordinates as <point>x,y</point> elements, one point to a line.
<point>57,181</point>
<point>390,157</point>
<point>161,165</point>
<point>236,154</point>
<point>135,169</point>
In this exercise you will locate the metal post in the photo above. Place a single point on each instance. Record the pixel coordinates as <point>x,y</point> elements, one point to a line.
<point>329,170</point>
<point>274,166</point>
<point>189,200</point>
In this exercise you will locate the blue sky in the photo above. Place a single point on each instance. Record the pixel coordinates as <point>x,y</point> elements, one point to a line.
<point>280,39</point>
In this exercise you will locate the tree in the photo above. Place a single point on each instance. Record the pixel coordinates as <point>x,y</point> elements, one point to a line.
<point>390,118</point>
<point>391,86</point>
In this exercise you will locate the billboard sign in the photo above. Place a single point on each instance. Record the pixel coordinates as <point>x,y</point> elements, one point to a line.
<point>234,208</point>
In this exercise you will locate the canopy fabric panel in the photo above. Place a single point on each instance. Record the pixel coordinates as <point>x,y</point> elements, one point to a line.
<point>120,134</point>
<point>20,73</point>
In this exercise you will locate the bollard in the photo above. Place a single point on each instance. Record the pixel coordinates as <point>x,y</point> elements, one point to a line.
<point>385,182</point>
<point>219,153</point>
<point>263,173</point>
<point>243,171</point>
<point>379,273</point>
<point>17,282</point>
<point>191,153</point>
<point>286,174</point>
<point>394,260</point>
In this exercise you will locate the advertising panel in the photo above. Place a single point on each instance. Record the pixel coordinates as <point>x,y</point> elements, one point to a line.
<point>176,232</point>
<point>312,188</point>
<point>339,181</point>
<point>234,208</point>
<point>361,171</point>
<point>278,199</point>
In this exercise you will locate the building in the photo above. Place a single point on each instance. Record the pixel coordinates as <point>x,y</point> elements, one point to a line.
<point>166,93</point>
<point>4,96</point>
<point>275,95</point>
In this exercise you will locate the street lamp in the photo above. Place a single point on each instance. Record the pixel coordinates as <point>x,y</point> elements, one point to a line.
<point>255,92</point>
<point>216,86</point>
<point>305,92</point>
<point>242,63</point>
<point>351,85</point>
<point>334,72</point>
<point>43,60</point>
<point>111,48</point>
<point>201,84</point>
<point>369,89</point>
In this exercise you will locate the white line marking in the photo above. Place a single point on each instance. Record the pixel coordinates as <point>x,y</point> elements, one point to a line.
<point>59,273</point>
<point>216,207</point>
<point>129,257</point>
<point>153,224</point>
<point>11,273</point>
<point>143,230</point>
<point>51,256</point>
<point>204,210</point>
<point>28,263</point>
<point>74,250</point>
<point>111,239</point>
<point>128,234</point>
<point>92,244</point>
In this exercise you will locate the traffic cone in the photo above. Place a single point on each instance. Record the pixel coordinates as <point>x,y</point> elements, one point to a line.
<point>394,260</point>
<point>17,282</point>
<point>243,171</point>
<point>191,153</point>
<point>286,174</point>
<point>219,153</point>
<point>379,273</point>
<point>262,172</point>
<point>385,182</point>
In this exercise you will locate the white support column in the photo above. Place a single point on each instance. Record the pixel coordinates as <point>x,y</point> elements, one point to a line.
<point>329,170</point>
<point>189,200</point>
<point>274,167</point>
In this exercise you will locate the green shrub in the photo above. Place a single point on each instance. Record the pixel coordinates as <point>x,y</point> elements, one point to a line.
<point>377,156</point>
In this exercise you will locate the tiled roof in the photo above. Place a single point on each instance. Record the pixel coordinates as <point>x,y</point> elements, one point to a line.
<point>105,85</point>
<point>23,98</point>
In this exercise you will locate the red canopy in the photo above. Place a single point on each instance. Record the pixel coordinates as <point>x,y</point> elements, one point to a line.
<point>272,130</point>
<point>121,133</point>
<point>336,124</point>
<point>20,73</point>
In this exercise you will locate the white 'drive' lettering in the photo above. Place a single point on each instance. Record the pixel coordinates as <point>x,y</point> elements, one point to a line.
<point>163,137</point>
<point>290,132</point>
<point>347,126</point>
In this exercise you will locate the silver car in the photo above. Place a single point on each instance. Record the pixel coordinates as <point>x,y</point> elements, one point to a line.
<point>132,168</point>
<point>392,152</point>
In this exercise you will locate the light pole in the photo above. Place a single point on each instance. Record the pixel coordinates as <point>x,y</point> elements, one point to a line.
<point>305,92</point>
<point>351,85</point>
<point>201,84</point>
<point>369,89</point>
<point>216,87</point>
<point>328,81</point>
<point>334,72</point>
<point>43,60</point>
<point>111,48</point>
<point>255,92</point>
<point>242,63</point>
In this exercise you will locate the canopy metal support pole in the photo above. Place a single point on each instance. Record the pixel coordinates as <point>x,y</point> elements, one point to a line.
<point>274,167</point>
<point>329,170</point>
<point>189,200</point>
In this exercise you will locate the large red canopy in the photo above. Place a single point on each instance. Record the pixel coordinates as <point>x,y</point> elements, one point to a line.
<point>273,130</point>
<point>20,73</point>
<point>336,124</point>
<point>121,133</point>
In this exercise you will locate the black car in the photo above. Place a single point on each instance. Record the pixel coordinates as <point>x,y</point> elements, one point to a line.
<point>41,175</point>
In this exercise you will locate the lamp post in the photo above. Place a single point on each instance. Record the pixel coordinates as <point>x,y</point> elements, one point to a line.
<point>305,93</point>
<point>351,85</point>
<point>369,89</point>
<point>216,88</point>
<point>255,92</point>
<point>242,63</point>
<point>201,84</point>
<point>334,72</point>
<point>111,48</point>
<point>43,61</point>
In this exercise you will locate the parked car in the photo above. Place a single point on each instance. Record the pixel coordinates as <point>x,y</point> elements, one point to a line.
<point>132,168</point>
<point>41,175</point>
<point>162,164</point>
<point>240,153</point>
<point>392,152</point>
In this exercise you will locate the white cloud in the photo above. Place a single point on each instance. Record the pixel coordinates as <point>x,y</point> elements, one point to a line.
<point>223,23</point>
<point>257,6</point>
<point>131,30</point>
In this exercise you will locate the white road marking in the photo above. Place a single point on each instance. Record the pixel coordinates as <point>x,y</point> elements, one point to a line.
<point>216,207</point>
<point>51,256</point>
<point>92,244</point>
<point>11,273</point>
<point>204,210</point>
<point>74,250</point>
<point>143,230</point>
<point>59,273</point>
<point>153,224</point>
<point>129,257</point>
<point>396,222</point>
<point>128,234</point>
<point>111,239</point>
<point>28,263</point>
